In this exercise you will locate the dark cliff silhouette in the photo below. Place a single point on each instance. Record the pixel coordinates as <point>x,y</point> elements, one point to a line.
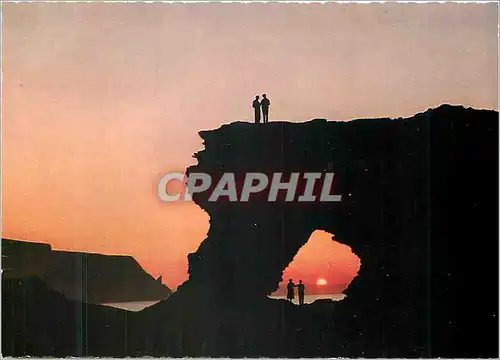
<point>422,216</point>
<point>419,208</point>
<point>87,277</point>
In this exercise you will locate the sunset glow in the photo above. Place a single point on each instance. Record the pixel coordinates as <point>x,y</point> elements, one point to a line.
<point>101,99</point>
<point>323,258</point>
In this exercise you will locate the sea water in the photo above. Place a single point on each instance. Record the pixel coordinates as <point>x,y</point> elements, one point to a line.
<point>310,298</point>
<point>140,305</point>
<point>132,305</point>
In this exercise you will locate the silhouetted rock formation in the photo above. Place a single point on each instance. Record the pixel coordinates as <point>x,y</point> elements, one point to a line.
<point>92,278</point>
<point>419,207</point>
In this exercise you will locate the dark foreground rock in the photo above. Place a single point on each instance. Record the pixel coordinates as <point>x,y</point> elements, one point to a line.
<point>38,321</point>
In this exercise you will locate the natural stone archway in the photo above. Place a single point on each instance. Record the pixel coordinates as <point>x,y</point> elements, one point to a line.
<point>322,257</point>
<point>397,178</point>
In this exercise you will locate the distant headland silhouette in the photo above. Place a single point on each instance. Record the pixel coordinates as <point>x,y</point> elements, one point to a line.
<point>107,278</point>
<point>422,216</point>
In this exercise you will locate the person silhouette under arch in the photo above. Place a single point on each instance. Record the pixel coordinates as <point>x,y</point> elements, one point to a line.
<point>256,107</point>
<point>290,291</point>
<point>301,290</point>
<point>265,103</point>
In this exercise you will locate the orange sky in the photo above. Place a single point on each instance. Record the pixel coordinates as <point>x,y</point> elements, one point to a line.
<point>99,100</point>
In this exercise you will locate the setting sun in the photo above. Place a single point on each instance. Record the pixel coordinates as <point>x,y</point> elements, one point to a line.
<point>321,281</point>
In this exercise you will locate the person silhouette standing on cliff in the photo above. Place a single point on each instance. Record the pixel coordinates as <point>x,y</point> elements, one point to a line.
<point>256,107</point>
<point>301,290</point>
<point>290,291</point>
<point>265,108</point>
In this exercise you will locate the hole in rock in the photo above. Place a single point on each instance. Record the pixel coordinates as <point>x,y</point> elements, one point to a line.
<point>325,266</point>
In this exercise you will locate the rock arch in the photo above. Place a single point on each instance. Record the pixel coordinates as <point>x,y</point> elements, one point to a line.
<point>399,213</point>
